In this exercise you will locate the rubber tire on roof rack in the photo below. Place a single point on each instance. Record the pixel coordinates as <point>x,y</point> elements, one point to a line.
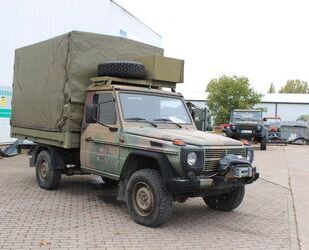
<point>122,69</point>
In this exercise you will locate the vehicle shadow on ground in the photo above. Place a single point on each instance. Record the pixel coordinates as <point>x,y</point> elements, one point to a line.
<point>184,214</point>
<point>105,192</point>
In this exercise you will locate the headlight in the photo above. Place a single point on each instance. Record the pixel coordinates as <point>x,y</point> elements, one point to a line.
<point>192,158</point>
<point>250,154</point>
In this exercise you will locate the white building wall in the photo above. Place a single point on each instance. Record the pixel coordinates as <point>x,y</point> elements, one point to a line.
<point>287,111</point>
<point>23,22</point>
<point>290,112</point>
<point>269,107</point>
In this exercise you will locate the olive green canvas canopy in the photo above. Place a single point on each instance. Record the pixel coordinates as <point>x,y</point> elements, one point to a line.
<point>50,77</point>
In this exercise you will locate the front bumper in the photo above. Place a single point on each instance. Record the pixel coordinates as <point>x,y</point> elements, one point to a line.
<point>238,135</point>
<point>182,185</point>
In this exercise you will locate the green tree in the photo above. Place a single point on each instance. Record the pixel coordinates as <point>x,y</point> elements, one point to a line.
<point>295,86</point>
<point>272,88</point>
<point>227,93</point>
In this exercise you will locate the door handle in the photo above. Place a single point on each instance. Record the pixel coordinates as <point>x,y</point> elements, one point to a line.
<point>88,139</point>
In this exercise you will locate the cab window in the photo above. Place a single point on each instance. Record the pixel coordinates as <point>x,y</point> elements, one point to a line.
<point>106,108</point>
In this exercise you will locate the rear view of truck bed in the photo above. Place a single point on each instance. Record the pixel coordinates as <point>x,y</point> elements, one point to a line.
<point>50,78</point>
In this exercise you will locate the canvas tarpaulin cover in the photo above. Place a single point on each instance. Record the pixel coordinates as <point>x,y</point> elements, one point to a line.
<point>50,77</point>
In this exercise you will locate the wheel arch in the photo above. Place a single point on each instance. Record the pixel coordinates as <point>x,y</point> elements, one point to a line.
<point>57,156</point>
<point>139,159</point>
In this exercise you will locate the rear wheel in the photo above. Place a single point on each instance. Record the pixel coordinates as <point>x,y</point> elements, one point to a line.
<point>227,201</point>
<point>149,202</point>
<point>47,177</point>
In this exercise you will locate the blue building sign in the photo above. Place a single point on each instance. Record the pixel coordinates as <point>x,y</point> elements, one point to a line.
<point>5,101</point>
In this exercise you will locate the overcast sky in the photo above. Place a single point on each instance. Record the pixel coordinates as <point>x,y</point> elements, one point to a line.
<point>264,40</point>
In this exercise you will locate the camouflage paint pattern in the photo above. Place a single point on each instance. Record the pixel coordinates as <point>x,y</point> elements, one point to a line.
<point>106,152</point>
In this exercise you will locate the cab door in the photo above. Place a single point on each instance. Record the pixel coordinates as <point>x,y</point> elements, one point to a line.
<point>101,139</point>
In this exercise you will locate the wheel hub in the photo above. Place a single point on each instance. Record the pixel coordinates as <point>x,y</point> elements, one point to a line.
<point>143,199</point>
<point>44,169</point>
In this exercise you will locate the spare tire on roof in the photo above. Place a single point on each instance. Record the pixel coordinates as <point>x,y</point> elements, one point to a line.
<point>122,69</point>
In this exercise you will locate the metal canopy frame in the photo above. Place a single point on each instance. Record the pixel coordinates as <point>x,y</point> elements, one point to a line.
<point>109,81</point>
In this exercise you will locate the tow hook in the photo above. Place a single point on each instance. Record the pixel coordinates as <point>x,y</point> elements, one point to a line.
<point>235,166</point>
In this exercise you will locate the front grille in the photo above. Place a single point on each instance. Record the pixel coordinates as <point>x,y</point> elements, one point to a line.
<point>213,155</point>
<point>245,127</point>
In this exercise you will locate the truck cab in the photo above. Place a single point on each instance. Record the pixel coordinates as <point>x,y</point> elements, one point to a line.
<point>247,124</point>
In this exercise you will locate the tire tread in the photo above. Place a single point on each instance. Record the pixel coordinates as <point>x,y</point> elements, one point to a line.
<point>218,202</point>
<point>56,176</point>
<point>166,205</point>
<point>122,69</point>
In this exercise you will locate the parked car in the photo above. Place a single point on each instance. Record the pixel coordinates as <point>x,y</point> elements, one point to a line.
<point>248,124</point>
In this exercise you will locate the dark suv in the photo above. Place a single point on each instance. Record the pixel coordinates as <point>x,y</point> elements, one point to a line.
<point>247,124</point>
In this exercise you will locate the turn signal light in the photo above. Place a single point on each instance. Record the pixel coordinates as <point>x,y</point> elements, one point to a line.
<point>179,142</point>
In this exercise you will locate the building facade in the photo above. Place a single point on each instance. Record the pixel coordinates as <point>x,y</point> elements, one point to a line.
<point>23,22</point>
<point>289,107</point>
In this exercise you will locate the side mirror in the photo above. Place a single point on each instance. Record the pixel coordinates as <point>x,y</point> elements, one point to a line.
<point>193,114</point>
<point>91,113</point>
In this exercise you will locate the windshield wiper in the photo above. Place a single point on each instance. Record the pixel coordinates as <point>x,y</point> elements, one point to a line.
<point>142,120</point>
<point>167,120</point>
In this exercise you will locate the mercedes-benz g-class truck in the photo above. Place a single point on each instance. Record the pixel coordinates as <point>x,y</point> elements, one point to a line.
<point>107,106</point>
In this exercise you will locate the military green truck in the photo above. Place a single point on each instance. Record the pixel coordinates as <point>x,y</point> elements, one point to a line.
<point>248,124</point>
<point>103,105</point>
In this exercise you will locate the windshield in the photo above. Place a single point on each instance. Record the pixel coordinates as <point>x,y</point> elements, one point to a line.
<point>153,108</point>
<point>247,116</point>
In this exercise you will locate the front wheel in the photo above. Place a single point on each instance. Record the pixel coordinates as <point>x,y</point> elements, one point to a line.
<point>227,201</point>
<point>47,177</point>
<point>149,201</point>
<point>263,143</point>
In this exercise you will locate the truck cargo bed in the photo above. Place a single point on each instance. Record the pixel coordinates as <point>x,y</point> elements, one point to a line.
<point>50,79</point>
<point>64,139</point>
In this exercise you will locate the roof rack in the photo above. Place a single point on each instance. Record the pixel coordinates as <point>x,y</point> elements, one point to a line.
<point>109,81</point>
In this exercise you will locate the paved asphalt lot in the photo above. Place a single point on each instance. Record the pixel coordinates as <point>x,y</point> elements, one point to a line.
<point>84,214</point>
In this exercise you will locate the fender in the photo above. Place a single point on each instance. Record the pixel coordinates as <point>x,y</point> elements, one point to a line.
<point>165,166</point>
<point>264,131</point>
<point>56,155</point>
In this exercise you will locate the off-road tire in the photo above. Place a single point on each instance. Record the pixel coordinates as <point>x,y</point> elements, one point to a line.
<point>162,207</point>
<point>122,69</point>
<point>52,177</point>
<point>228,201</point>
<point>263,143</point>
<point>109,182</point>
